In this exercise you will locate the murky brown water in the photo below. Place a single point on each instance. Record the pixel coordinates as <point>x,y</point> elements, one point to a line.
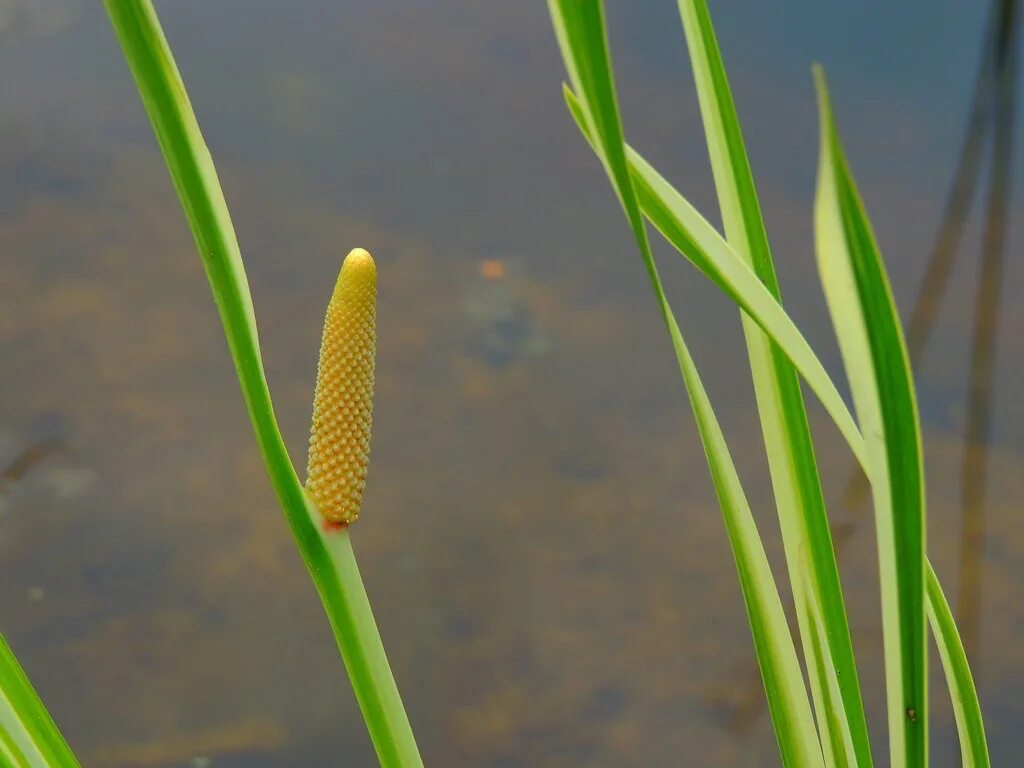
<point>540,539</point>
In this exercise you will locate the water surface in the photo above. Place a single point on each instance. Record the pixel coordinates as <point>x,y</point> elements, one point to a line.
<point>540,538</point>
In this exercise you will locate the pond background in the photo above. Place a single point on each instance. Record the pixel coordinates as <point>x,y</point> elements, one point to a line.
<point>540,538</point>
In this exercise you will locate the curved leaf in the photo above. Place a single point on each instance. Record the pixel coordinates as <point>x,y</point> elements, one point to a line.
<point>966,708</point>
<point>691,234</point>
<point>817,594</point>
<point>581,34</point>
<point>328,554</point>
<point>28,736</point>
<point>871,341</point>
<point>773,643</point>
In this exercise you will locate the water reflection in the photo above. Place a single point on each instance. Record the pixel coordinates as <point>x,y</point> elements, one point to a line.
<point>1002,108</point>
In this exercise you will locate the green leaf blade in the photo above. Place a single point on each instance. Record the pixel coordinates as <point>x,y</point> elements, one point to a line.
<point>773,643</point>
<point>966,707</point>
<point>697,240</point>
<point>582,38</point>
<point>874,353</point>
<point>807,539</point>
<point>580,29</point>
<point>28,736</point>
<point>328,555</point>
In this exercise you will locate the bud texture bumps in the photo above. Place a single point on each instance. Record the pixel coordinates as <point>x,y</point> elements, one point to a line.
<point>339,441</point>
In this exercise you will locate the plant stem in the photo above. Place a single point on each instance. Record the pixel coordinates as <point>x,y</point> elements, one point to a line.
<point>328,554</point>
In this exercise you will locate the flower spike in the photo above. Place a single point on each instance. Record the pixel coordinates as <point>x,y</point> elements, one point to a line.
<point>339,441</point>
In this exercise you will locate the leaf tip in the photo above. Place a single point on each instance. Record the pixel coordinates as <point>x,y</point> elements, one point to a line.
<point>824,101</point>
<point>826,124</point>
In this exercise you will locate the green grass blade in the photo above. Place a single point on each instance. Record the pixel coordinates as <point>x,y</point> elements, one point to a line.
<point>328,555</point>
<point>773,644</point>
<point>807,540</point>
<point>871,341</point>
<point>581,34</point>
<point>829,707</point>
<point>697,240</point>
<point>28,736</point>
<point>966,708</point>
<point>580,29</point>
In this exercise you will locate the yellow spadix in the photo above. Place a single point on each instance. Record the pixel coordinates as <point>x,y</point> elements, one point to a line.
<point>339,441</point>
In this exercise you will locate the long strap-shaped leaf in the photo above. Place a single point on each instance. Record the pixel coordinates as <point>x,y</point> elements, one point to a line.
<point>966,709</point>
<point>867,326</point>
<point>807,540</point>
<point>773,644</point>
<point>874,352</point>
<point>581,34</point>
<point>698,241</point>
<point>328,555</point>
<point>695,238</point>
<point>28,736</point>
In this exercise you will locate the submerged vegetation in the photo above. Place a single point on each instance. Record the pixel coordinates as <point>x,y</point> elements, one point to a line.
<point>811,682</point>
